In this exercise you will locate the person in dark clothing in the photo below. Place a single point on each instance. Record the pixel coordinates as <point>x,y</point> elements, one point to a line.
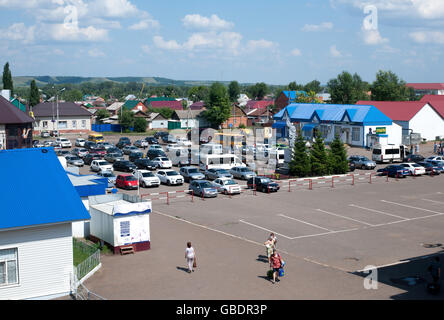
<point>435,270</point>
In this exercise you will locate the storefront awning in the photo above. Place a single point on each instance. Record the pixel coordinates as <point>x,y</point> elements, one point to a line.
<point>279,125</point>
<point>309,127</point>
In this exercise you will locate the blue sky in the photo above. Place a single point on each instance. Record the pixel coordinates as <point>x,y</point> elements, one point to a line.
<point>249,41</point>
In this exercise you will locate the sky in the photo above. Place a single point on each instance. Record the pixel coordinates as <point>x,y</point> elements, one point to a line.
<point>244,40</point>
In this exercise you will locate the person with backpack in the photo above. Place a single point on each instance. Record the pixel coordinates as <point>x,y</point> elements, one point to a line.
<point>276,264</point>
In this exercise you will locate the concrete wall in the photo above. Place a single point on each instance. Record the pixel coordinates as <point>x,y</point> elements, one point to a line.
<point>428,123</point>
<point>70,125</point>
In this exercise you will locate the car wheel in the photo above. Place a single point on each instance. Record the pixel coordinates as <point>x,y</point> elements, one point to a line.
<point>168,183</point>
<point>226,192</point>
<point>144,184</point>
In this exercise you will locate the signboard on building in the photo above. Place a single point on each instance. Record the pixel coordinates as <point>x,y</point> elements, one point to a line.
<point>381,130</point>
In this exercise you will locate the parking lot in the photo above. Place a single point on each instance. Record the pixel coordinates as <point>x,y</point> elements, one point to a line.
<point>332,231</point>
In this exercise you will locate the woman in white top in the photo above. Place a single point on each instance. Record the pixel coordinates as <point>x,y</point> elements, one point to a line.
<point>190,256</point>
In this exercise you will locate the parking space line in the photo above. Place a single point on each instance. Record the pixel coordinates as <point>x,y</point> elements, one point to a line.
<point>434,201</point>
<point>348,218</point>
<point>377,211</point>
<point>325,233</point>
<point>310,224</point>
<point>411,207</point>
<point>259,227</point>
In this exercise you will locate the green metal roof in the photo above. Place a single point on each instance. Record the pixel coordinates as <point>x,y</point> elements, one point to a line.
<point>18,104</point>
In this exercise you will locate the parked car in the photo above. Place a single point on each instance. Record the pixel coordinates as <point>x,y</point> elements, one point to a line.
<point>434,158</point>
<point>431,169</point>
<point>126,181</point>
<point>110,176</point>
<point>168,138</point>
<point>214,173</point>
<point>90,157</point>
<point>114,150</point>
<point>134,155</point>
<point>151,140</point>
<point>65,143</point>
<point>54,133</point>
<point>80,142</point>
<point>123,141</point>
<point>170,177</point>
<point>101,165</point>
<point>141,144</point>
<point>37,144</point>
<point>172,146</point>
<point>106,145</point>
<point>395,171</point>
<point>124,166</point>
<point>203,188</point>
<point>242,173</point>
<point>146,178</point>
<point>45,134</point>
<point>263,184</point>
<point>414,168</point>
<point>145,164</point>
<point>128,149</point>
<point>159,134</point>
<point>414,158</point>
<point>80,152</point>
<point>162,162</point>
<point>89,145</point>
<point>98,149</point>
<point>74,160</point>
<point>155,147</point>
<point>191,173</point>
<point>152,154</point>
<point>113,157</point>
<point>438,164</point>
<point>362,162</point>
<point>62,153</point>
<point>184,142</point>
<point>227,186</point>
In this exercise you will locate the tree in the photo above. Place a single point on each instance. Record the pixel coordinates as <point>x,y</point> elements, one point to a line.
<point>318,157</point>
<point>257,91</point>
<point>293,86</point>
<point>314,86</point>
<point>199,93</point>
<point>101,114</point>
<point>34,94</point>
<point>233,90</point>
<point>218,105</point>
<point>73,95</point>
<point>140,125</point>
<point>300,160</point>
<point>167,113</point>
<point>308,97</point>
<point>7,79</point>
<point>126,120</point>
<point>388,87</point>
<point>338,157</point>
<point>348,89</point>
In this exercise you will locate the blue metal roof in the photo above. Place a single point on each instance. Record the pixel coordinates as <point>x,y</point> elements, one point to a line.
<point>36,190</point>
<point>88,185</point>
<point>365,115</point>
<point>293,94</point>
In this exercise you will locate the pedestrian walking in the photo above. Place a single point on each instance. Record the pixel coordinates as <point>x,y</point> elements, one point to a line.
<point>276,264</point>
<point>270,245</point>
<point>435,147</point>
<point>190,256</point>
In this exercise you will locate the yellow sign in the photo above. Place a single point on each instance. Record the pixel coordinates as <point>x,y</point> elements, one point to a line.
<point>382,130</point>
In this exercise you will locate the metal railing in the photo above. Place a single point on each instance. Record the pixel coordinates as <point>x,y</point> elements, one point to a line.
<point>82,293</point>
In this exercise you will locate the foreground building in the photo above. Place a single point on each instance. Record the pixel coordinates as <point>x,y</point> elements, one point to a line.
<point>36,245</point>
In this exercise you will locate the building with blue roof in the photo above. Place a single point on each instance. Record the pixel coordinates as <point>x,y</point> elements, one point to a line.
<point>361,126</point>
<point>39,205</point>
<point>287,97</point>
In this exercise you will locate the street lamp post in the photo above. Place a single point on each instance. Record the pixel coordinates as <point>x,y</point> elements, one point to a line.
<point>57,99</point>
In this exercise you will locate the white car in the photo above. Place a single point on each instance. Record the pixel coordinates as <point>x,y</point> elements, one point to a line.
<point>65,143</point>
<point>146,178</point>
<point>101,165</point>
<point>172,146</point>
<point>162,162</point>
<point>414,168</point>
<point>155,147</point>
<point>80,142</point>
<point>184,142</point>
<point>170,177</point>
<point>435,158</point>
<point>227,186</point>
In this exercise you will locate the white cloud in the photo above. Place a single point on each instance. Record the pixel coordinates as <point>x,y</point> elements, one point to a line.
<point>59,32</point>
<point>296,52</point>
<point>145,24</point>
<point>335,52</point>
<point>260,44</point>
<point>196,21</point>
<point>318,27</point>
<point>422,37</point>
<point>114,8</point>
<point>167,45</point>
<point>373,37</point>
<point>96,53</point>
<point>18,32</point>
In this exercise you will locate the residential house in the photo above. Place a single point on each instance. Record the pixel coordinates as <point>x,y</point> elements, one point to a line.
<point>199,105</point>
<point>114,108</point>
<point>412,116</point>
<point>242,100</point>
<point>68,117</point>
<point>134,105</point>
<point>258,104</point>
<point>287,97</point>
<point>157,121</point>
<point>427,88</point>
<point>36,243</point>
<point>190,119</point>
<point>259,116</point>
<point>173,105</point>
<point>238,117</point>
<point>16,127</point>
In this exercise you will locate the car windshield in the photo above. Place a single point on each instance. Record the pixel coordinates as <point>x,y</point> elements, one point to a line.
<point>130,178</point>
<point>364,159</point>
<point>222,171</point>
<point>194,170</point>
<point>244,170</point>
<point>108,175</point>
<point>126,162</point>
<point>103,163</point>
<point>172,173</point>
<point>265,180</point>
<point>164,159</point>
<point>416,165</point>
<point>147,174</point>
<point>74,158</point>
<point>230,182</point>
<point>205,185</point>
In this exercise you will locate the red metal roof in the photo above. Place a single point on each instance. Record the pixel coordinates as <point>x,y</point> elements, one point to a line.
<point>397,110</point>
<point>426,86</point>
<point>174,105</point>
<point>259,104</point>
<point>432,97</point>
<point>438,105</point>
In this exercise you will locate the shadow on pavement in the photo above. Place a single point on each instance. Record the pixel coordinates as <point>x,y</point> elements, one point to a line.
<point>262,258</point>
<point>182,269</point>
<point>411,276</point>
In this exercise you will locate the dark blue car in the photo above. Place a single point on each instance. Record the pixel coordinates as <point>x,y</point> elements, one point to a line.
<point>395,171</point>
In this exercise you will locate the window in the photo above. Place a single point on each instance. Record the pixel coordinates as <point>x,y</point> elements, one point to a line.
<point>8,267</point>
<point>45,124</point>
<point>83,123</point>
<point>74,124</point>
<point>356,134</point>
<point>337,131</point>
<point>324,131</point>
<point>63,125</point>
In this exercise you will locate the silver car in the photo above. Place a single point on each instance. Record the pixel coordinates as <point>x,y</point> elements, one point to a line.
<point>113,157</point>
<point>110,176</point>
<point>191,173</point>
<point>362,162</point>
<point>242,173</point>
<point>74,160</point>
<point>215,173</point>
<point>128,149</point>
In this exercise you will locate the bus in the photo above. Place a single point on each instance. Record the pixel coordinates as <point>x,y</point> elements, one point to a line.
<point>389,153</point>
<point>222,161</point>
<point>96,137</point>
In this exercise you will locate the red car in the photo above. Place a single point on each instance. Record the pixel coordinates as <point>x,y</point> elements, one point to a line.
<point>126,181</point>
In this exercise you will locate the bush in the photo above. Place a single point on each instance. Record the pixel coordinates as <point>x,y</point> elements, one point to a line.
<point>140,125</point>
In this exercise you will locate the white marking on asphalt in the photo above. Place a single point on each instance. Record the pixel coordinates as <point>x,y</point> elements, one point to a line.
<point>377,211</point>
<point>434,201</point>
<point>407,206</point>
<point>259,227</point>
<point>348,218</point>
<point>324,234</point>
<point>301,221</point>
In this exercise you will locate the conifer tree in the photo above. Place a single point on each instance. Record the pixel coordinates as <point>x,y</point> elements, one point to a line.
<point>300,161</point>
<point>318,157</point>
<point>338,157</point>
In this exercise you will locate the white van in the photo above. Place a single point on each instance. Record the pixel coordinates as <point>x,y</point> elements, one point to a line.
<point>222,161</point>
<point>211,148</point>
<point>389,153</point>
